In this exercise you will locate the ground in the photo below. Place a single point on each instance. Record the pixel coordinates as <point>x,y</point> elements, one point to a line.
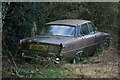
<point>104,65</point>
<point>101,65</point>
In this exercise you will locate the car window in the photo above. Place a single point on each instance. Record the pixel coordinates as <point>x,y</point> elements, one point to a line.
<point>91,28</point>
<point>59,30</point>
<point>84,29</point>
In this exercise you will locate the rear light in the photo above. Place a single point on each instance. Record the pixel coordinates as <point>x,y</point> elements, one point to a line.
<point>59,55</point>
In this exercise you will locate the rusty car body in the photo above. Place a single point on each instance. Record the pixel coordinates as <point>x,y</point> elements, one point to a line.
<point>64,39</point>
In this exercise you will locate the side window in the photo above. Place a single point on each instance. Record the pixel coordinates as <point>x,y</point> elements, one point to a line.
<point>91,28</point>
<point>84,29</point>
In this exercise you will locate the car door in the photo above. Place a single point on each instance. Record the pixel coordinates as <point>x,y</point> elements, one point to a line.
<point>95,34</point>
<point>88,39</point>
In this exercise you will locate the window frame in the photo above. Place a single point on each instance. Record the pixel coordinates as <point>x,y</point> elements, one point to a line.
<point>81,34</point>
<point>92,27</point>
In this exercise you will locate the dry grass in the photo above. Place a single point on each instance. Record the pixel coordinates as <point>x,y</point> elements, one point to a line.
<point>104,65</point>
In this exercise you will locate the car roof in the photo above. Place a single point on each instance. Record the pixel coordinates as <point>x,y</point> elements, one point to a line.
<point>72,22</point>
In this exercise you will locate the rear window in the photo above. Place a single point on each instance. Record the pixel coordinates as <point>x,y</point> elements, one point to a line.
<point>59,30</point>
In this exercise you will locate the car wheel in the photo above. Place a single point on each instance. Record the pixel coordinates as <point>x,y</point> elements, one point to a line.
<point>106,44</point>
<point>77,58</point>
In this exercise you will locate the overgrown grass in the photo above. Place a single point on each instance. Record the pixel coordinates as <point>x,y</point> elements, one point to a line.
<point>30,70</point>
<point>34,69</point>
<point>53,73</point>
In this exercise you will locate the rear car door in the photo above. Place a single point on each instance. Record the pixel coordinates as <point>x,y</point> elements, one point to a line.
<point>96,35</point>
<point>88,39</point>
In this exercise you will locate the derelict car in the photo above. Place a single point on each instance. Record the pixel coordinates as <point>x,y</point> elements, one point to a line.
<point>64,39</point>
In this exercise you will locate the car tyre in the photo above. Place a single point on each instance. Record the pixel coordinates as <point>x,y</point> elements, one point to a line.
<point>77,58</point>
<point>106,44</point>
